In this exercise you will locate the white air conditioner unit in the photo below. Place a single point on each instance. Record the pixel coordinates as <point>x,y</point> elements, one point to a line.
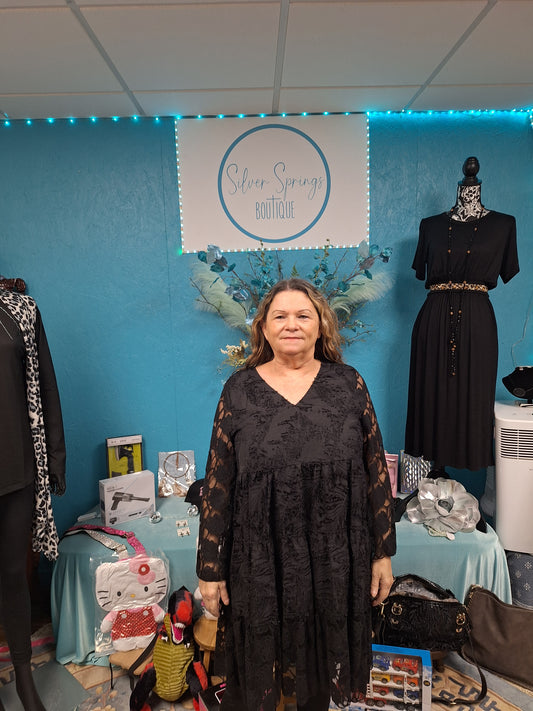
<point>514,475</point>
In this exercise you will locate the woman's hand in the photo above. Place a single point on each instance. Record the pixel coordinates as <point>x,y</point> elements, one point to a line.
<point>212,593</point>
<point>382,580</point>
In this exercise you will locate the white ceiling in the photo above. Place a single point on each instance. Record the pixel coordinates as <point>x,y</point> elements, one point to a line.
<point>83,58</point>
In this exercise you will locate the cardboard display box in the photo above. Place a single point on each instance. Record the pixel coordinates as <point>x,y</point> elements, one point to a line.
<point>127,497</point>
<point>400,680</point>
<point>124,455</point>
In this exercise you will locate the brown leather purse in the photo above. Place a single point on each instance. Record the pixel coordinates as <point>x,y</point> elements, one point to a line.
<point>501,638</point>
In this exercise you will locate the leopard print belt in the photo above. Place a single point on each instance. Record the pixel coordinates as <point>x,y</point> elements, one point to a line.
<point>461,286</point>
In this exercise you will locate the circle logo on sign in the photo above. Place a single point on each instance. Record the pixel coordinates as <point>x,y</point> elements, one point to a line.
<point>274,183</point>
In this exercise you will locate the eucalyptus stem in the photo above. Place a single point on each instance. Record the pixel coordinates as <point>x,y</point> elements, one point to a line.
<point>265,268</point>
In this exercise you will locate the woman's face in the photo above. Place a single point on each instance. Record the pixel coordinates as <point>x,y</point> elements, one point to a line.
<point>292,325</point>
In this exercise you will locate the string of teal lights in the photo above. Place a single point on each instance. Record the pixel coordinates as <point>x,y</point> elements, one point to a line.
<point>452,112</point>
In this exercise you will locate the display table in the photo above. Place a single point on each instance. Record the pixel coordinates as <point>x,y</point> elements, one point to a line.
<point>73,603</point>
<point>471,558</point>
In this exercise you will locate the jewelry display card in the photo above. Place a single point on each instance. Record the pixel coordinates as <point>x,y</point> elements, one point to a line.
<point>176,472</point>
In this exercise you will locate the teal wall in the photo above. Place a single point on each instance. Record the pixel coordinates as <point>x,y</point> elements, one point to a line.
<point>89,218</point>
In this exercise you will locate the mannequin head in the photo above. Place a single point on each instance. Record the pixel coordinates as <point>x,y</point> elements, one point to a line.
<point>470,171</point>
<point>468,206</point>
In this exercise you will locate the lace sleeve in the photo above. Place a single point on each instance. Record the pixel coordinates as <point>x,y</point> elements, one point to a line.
<point>217,498</point>
<point>379,489</point>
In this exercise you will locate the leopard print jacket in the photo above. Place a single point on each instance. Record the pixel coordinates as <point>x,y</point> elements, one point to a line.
<point>44,533</point>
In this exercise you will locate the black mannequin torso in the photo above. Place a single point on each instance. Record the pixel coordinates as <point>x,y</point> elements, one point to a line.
<point>18,464</point>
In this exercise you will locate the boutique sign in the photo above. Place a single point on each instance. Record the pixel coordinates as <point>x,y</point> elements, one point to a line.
<point>291,182</point>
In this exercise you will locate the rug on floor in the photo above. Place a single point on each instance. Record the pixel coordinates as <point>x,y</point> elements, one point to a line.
<point>451,683</point>
<point>111,692</point>
<point>41,641</point>
<point>513,695</point>
<point>57,688</point>
<point>104,698</point>
<point>43,651</point>
<point>88,688</point>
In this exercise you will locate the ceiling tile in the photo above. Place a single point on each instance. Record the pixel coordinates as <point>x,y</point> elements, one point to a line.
<point>498,50</point>
<point>47,51</point>
<point>464,98</point>
<point>21,4</point>
<point>190,46</point>
<point>361,99</point>
<point>151,3</point>
<point>371,44</point>
<point>192,103</point>
<point>66,106</point>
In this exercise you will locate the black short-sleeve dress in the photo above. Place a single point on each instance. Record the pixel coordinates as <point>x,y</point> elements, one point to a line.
<point>297,501</point>
<point>454,344</point>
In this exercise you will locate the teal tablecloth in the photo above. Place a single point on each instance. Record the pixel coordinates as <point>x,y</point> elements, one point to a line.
<point>74,608</point>
<point>471,558</point>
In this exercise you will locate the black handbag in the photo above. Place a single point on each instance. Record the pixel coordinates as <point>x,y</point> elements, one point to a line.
<point>420,614</point>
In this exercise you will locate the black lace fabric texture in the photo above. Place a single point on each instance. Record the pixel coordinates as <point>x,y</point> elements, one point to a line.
<point>297,502</point>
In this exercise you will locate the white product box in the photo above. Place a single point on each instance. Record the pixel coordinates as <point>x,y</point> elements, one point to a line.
<point>127,497</point>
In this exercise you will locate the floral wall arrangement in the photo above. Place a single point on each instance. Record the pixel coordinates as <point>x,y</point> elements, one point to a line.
<point>345,278</point>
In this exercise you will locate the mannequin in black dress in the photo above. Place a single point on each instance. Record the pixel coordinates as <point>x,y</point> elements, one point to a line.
<point>461,255</point>
<point>467,208</point>
<point>20,505</point>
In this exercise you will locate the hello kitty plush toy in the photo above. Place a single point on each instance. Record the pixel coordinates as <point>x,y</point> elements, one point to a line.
<point>129,590</point>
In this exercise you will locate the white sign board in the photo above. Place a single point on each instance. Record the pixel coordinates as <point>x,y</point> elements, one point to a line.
<point>292,182</point>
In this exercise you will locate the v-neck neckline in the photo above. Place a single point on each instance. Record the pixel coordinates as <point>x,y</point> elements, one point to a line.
<point>286,400</point>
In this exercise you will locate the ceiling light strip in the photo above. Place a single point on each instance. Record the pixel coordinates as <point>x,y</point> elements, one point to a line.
<point>370,114</point>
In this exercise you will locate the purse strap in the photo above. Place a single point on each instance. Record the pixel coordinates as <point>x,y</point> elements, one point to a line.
<point>439,592</point>
<point>99,534</point>
<point>466,702</point>
<point>144,655</point>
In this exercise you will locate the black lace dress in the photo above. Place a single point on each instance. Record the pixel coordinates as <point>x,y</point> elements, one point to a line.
<point>297,502</point>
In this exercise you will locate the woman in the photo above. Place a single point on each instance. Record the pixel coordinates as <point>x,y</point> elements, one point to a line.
<point>296,528</point>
